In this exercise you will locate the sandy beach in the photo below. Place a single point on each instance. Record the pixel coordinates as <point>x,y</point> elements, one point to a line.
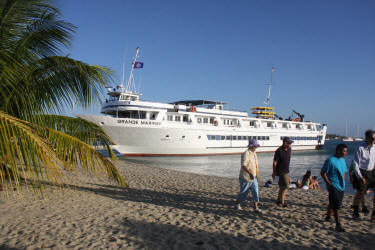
<point>166,209</point>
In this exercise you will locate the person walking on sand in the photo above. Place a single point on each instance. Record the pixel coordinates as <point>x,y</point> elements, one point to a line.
<point>333,173</point>
<point>355,183</point>
<point>281,161</point>
<point>364,170</point>
<point>249,174</point>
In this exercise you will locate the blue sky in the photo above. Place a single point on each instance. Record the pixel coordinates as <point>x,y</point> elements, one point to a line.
<point>323,52</point>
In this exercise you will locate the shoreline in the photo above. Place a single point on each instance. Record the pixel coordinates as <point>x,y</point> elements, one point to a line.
<point>169,209</point>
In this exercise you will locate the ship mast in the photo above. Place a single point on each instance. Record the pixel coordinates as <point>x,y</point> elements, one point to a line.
<point>266,112</point>
<point>131,80</point>
<point>268,100</point>
<point>123,75</point>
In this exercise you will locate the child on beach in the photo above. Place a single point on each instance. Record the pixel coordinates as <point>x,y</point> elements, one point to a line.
<point>333,173</point>
<point>309,182</point>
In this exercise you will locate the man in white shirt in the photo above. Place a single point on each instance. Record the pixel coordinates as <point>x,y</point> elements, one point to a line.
<point>364,170</point>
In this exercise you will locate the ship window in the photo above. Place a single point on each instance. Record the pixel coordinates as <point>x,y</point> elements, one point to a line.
<point>228,137</point>
<point>284,125</point>
<point>234,137</point>
<point>218,137</point>
<point>177,118</point>
<point>167,136</point>
<point>124,114</point>
<point>113,98</point>
<point>199,120</point>
<point>185,118</point>
<point>252,123</point>
<point>213,137</point>
<point>208,137</point>
<point>153,116</point>
<point>269,124</point>
<point>211,120</point>
<point>222,137</point>
<point>231,122</point>
<point>183,137</point>
<point>170,117</point>
<point>263,138</point>
<point>199,137</point>
<point>205,120</point>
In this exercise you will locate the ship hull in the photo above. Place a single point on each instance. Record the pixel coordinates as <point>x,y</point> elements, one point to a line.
<point>150,138</point>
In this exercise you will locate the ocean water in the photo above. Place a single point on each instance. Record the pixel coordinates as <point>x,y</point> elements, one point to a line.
<point>229,165</point>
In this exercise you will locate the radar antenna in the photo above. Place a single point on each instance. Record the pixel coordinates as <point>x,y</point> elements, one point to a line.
<point>301,116</point>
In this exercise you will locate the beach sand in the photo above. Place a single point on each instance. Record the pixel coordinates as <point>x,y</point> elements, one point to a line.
<point>166,209</point>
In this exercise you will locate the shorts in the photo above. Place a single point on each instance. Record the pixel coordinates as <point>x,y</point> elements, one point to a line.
<point>284,180</point>
<point>369,177</point>
<point>356,182</point>
<point>335,197</point>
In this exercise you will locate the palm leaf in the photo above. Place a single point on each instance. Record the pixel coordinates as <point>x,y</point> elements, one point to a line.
<point>37,153</point>
<point>81,129</point>
<point>24,153</point>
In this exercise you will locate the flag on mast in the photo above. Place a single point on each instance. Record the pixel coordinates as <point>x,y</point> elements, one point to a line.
<point>138,65</point>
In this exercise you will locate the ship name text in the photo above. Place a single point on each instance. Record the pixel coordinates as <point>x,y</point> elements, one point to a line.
<point>136,122</point>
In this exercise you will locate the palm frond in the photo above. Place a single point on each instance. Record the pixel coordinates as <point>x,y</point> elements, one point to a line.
<point>23,153</point>
<point>81,129</point>
<point>38,153</point>
<point>80,154</point>
<point>52,83</point>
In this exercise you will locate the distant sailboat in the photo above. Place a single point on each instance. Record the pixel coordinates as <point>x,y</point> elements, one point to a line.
<point>358,138</point>
<point>347,138</point>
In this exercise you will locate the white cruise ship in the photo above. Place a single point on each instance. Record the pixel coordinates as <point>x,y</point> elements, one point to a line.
<point>195,127</point>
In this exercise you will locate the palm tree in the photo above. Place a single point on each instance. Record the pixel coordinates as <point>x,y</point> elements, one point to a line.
<point>35,80</point>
